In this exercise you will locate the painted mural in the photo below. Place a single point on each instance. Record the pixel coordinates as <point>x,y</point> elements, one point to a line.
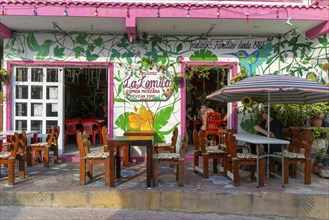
<point>145,95</point>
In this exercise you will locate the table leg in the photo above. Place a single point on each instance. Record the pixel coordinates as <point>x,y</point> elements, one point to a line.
<point>257,166</point>
<point>35,138</point>
<point>149,167</point>
<point>112,166</point>
<point>0,145</point>
<point>282,170</point>
<point>125,156</point>
<point>118,163</point>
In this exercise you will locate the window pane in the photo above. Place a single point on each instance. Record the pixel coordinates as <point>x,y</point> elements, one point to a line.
<point>51,123</point>
<point>21,74</point>
<point>52,92</point>
<point>36,125</point>
<point>21,125</point>
<point>36,92</point>
<point>21,109</point>
<point>22,92</point>
<point>52,75</point>
<point>52,109</point>
<point>36,109</point>
<point>36,75</point>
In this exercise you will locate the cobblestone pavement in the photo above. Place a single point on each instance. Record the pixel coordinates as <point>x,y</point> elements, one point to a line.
<point>36,213</point>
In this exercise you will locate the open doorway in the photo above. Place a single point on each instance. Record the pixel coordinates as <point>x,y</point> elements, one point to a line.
<point>203,80</point>
<point>86,95</point>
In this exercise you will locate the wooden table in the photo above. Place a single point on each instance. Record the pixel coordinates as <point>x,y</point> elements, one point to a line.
<point>126,151</point>
<point>258,139</point>
<point>119,141</point>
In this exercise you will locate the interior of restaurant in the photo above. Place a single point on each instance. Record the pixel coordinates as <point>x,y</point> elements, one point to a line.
<point>198,87</point>
<point>85,92</point>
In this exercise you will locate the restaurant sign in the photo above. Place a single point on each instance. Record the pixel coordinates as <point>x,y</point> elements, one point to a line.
<point>149,86</point>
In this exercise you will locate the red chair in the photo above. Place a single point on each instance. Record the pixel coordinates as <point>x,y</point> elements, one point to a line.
<point>213,123</point>
<point>93,127</point>
<point>72,127</point>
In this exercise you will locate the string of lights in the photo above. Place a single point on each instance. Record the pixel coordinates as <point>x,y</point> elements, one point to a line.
<point>217,10</point>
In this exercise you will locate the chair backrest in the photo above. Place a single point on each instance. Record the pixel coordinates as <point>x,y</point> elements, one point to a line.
<point>21,143</point>
<point>90,125</point>
<point>196,141</point>
<point>83,143</point>
<point>302,142</point>
<point>221,135</point>
<point>72,126</point>
<point>57,131</point>
<point>14,142</point>
<point>184,145</point>
<point>231,147</point>
<point>202,141</point>
<point>105,139</point>
<point>213,121</point>
<point>174,137</point>
<point>50,135</point>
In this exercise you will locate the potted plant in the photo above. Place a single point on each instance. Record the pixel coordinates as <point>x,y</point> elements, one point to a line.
<point>321,162</point>
<point>290,114</point>
<point>316,112</point>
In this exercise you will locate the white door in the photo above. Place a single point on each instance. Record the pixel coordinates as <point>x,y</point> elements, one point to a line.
<point>38,99</point>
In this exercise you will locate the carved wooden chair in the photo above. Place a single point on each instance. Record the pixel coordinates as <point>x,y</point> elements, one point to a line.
<point>213,123</point>
<point>8,158</point>
<point>171,147</point>
<point>197,150</point>
<point>171,159</point>
<point>234,160</point>
<point>88,158</point>
<point>43,148</point>
<point>299,152</point>
<point>207,153</point>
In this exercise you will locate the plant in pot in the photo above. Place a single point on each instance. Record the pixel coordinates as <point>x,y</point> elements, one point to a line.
<point>316,113</point>
<point>321,162</point>
<point>290,114</point>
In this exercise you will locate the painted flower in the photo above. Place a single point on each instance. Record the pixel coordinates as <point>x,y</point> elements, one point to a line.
<point>325,66</point>
<point>246,101</point>
<point>142,120</point>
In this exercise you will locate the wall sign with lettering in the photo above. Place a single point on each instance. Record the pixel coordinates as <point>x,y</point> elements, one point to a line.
<point>149,86</point>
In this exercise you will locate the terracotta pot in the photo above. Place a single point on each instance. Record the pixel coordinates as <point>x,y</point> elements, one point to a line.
<point>317,122</point>
<point>316,168</point>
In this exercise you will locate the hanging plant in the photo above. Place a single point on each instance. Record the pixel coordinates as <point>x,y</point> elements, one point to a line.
<point>239,76</point>
<point>4,76</point>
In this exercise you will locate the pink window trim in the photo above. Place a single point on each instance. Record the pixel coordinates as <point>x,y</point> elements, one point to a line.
<point>231,65</point>
<point>12,63</point>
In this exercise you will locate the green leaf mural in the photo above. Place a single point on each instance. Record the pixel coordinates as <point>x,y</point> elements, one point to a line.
<point>81,38</point>
<point>203,55</point>
<point>248,125</point>
<point>122,120</point>
<point>162,118</point>
<point>59,52</point>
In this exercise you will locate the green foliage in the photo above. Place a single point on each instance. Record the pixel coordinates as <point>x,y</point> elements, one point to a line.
<point>4,76</point>
<point>290,114</point>
<point>203,55</point>
<point>320,133</point>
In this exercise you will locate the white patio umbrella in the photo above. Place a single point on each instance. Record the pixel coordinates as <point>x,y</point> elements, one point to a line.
<point>274,89</point>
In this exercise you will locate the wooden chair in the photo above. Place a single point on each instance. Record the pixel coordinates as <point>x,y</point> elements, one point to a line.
<point>210,152</point>
<point>213,124</point>
<point>299,152</point>
<point>197,150</point>
<point>87,159</point>
<point>171,147</point>
<point>9,157</point>
<point>43,148</point>
<point>93,128</point>
<point>72,127</point>
<point>171,159</point>
<point>234,160</point>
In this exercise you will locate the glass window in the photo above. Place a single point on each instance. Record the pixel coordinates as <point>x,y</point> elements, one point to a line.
<point>22,92</point>
<point>49,124</point>
<point>52,109</point>
<point>52,75</point>
<point>52,92</point>
<point>36,125</point>
<point>21,109</point>
<point>36,109</point>
<point>21,74</point>
<point>36,75</point>
<point>21,125</point>
<point>36,92</point>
